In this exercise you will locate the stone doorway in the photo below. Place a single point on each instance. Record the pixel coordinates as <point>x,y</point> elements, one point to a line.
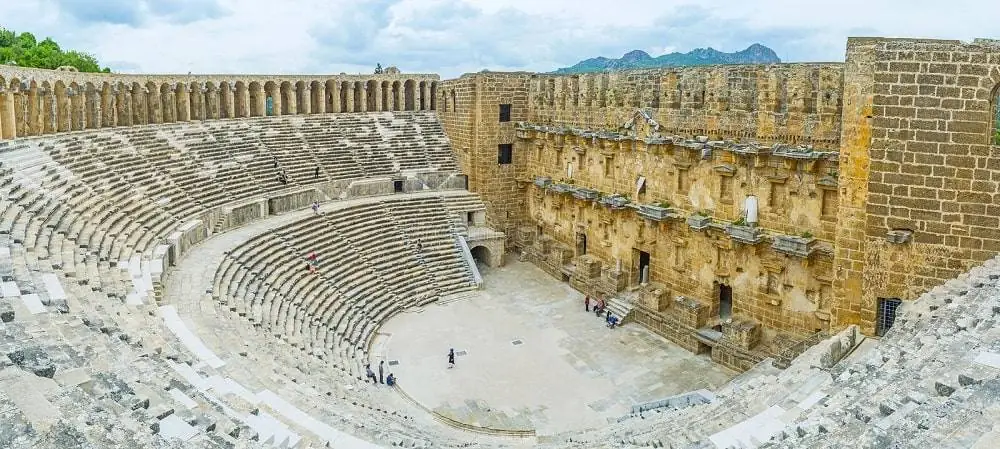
<point>641,266</point>
<point>397,186</point>
<point>581,244</point>
<point>483,258</point>
<point>725,302</point>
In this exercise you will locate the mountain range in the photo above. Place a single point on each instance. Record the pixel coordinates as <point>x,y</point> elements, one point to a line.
<point>638,59</point>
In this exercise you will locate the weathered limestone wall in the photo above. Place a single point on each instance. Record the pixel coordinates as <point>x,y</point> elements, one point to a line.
<point>470,112</point>
<point>796,197</point>
<point>35,101</point>
<point>933,169</point>
<point>787,103</point>
<point>287,202</point>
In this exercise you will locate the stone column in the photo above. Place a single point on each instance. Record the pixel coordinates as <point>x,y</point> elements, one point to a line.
<point>364,97</point>
<point>7,128</point>
<point>350,97</point>
<point>378,95</point>
<point>291,98</point>
<point>321,94</point>
<point>125,107</point>
<point>213,104</point>
<point>336,97</point>
<point>400,98</point>
<point>306,100</point>
<point>183,102</point>
<point>49,113</point>
<point>275,102</point>
<point>228,101</point>
<point>425,93</point>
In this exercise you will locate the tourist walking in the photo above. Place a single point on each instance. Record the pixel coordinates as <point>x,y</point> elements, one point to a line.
<point>381,363</point>
<point>315,208</point>
<point>316,172</point>
<point>451,358</point>
<point>586,303</point>
<point>369,373</point>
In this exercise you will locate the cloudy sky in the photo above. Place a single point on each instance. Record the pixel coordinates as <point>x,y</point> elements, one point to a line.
<point>451,37</point>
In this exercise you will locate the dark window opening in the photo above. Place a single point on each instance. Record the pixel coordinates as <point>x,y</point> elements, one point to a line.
<point>505,113</point>
<point>505,153</point>
<point>581,244</point>
<point>643,267</point>
<point>725,302</point>
<point>397,186</point>
<point>470,218</point>
<point>886,314</point>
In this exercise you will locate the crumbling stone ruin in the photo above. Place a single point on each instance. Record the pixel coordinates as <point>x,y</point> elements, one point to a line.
<point>773,217</point>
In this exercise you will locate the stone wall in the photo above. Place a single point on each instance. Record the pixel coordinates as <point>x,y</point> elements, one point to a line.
<point>925,117</point>
<point>470,113</point>
<point>35,101</point>
<point>787,103</point>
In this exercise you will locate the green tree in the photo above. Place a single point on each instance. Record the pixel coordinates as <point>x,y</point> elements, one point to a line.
<point>378,68</point>
<point>26,51</point>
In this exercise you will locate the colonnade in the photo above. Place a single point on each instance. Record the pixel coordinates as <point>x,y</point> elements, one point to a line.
<point>31,108</point>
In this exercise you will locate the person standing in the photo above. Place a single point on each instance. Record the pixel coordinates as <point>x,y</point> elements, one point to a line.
<point>586,303</point>
<point>451,358</point>
<point>381,364</point>
<point>315,208</point>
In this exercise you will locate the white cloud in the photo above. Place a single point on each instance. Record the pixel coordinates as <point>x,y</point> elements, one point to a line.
<point>455,36</point>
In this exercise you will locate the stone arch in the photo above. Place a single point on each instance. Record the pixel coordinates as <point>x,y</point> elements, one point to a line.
<point>433,95</point>
<point>386,100</point>
<point>303,101</point>
<point>272,94</point>
<point>167,107</point>
<point>409,95</point>
<point>397,96</point>
<point>371,95</point>
<point>482,254</point>
<point>287,99</point>
<point>63,108</point>
<point>153,114</point>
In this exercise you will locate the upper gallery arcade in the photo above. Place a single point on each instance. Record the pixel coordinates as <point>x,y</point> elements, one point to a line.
<point>35,102</point>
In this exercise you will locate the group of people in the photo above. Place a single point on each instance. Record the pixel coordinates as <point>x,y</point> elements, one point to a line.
<point>600,307</point>
<point>390,381</point>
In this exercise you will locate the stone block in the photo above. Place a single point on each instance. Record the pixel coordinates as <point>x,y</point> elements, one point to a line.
<point>33,360</point>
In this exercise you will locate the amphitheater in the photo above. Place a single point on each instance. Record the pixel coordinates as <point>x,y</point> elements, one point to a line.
<point>800,255</point>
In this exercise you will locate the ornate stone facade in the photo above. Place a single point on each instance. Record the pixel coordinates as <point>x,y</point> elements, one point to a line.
<point>872,179</point>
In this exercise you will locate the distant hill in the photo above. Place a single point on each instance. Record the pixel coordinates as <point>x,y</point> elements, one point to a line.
<point>638,59</point>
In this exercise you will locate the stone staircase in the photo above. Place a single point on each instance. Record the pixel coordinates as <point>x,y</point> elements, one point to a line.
<point>621,306</point>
